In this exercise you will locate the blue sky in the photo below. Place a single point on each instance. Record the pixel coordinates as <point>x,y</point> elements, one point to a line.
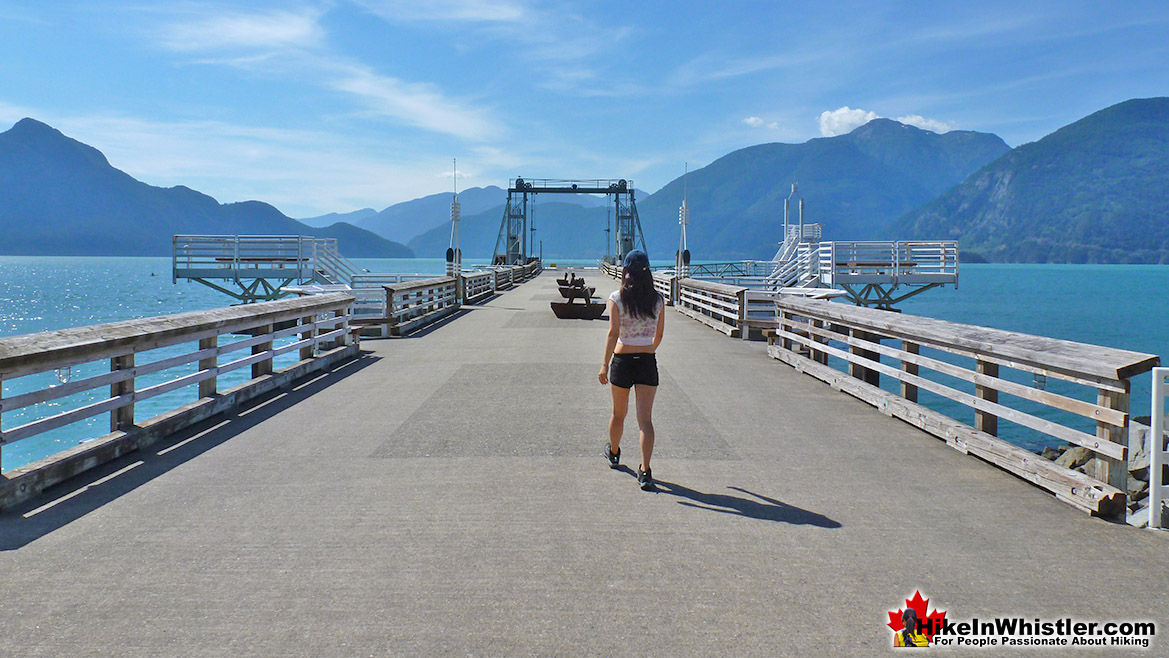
<point>329,106</point>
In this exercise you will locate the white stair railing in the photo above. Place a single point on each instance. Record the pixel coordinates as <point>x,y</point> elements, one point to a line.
<point>1158,455</point>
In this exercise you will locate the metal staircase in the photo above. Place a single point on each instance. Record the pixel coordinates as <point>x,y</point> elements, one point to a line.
<point>260,266</point>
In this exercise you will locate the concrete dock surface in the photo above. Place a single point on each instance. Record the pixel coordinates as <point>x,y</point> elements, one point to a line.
<point>445,495</point>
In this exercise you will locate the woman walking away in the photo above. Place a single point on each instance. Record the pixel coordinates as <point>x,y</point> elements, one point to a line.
<point>636,323</point>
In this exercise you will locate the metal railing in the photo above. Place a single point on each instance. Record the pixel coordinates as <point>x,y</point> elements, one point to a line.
<point>970,359</point>
<point>1158,452</point>
<point>233,257</point>
<point>120,364</point>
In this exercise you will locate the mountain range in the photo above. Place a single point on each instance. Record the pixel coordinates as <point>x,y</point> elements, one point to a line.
<point>1096,190</point>
<point>61,197</point>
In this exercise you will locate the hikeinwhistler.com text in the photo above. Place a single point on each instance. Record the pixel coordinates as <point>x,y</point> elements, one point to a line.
<point>1020,632</point>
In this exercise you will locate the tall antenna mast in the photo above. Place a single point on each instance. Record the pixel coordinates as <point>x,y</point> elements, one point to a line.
<point>682,259</point>
<point>454,254</point>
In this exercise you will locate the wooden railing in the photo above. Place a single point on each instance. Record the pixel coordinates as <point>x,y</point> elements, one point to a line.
<point>733,310</point>
<point>475,286</point>
<point>666,285</point>
<point>714,304</point>
<point>142,364</point>
<point>414,304</point>
<point>504,278</point>
<point>988,363</point>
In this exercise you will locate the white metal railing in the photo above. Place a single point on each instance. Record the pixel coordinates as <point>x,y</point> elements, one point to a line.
<point>1158,450</point>
<point>893,259</point>
<point>123,363</point>
<point>299,257</point>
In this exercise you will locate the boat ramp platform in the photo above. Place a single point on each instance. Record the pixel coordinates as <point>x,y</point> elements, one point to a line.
<point>444,494</point>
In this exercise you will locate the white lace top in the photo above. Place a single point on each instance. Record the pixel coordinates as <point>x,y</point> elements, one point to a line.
<point>636,331</point>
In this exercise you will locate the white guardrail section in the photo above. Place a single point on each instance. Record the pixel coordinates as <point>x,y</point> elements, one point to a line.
<point>1158,451</point>
<point>810,332</point>
<point>123,363</point>
<point>905,262</point>
<point>414,304</point>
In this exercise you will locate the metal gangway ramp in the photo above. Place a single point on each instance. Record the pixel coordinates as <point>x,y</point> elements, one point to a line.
<point>259,266</point>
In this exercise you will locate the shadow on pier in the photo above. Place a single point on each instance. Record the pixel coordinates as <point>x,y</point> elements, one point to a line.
<point>71,500</point>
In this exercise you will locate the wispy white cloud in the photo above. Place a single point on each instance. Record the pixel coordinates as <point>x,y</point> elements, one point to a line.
<point>932,125</point>
<point>757,122</point>
<point>195,32</point>
<point>292,46</point>
<point>473,11</point>
<point>844,120</point>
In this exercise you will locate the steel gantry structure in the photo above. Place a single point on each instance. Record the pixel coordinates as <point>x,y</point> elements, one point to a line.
<point>512,247</point>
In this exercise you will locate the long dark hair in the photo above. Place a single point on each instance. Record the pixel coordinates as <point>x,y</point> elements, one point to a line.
<point>638,296</point>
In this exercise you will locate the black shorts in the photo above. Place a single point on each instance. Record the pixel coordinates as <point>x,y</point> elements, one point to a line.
<point>629,369</point>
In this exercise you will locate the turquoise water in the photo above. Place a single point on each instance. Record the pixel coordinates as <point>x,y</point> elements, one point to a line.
<point>1121,306</point>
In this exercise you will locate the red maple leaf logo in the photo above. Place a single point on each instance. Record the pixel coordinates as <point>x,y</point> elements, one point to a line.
<point>930,623</point>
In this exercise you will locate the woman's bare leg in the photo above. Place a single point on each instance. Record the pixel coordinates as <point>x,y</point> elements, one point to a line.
<point>645,408</point>
<point>617,420</point>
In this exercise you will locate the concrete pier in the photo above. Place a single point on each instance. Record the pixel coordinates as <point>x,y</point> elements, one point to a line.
<point>445,495</point>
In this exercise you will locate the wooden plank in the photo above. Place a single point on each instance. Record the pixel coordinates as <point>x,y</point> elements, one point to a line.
<point>1079,407</point>
<point>1027,420</point>
<point>709,286</point>
<point>1061,355</point>
<point>727,329</point>
<point>1068,485</point>
<point>66,418</point>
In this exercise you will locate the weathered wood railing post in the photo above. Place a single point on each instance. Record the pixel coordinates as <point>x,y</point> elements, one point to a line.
<point>209,387</point>
<point>867,375</point>
<point>819,356</point>
<point>1108,469</point>
<point>984,420</point>
<point>309,332</point>
<point>744,306</point>
<point>122,418</point>
<point>909,391</point>
<point>263,367</point>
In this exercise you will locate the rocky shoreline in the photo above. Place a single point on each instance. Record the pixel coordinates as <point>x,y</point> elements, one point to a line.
<point>1080,459</point>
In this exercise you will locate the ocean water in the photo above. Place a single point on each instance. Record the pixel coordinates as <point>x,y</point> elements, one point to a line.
<point>1122,306</point>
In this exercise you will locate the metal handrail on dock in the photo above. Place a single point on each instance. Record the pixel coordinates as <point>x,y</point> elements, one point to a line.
<point>1158,452</point>
<point>319,324</point>
<point>810,332</point>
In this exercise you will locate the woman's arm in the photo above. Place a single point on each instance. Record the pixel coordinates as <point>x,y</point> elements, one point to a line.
<point>610,342</point>
<point>661,327</point>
